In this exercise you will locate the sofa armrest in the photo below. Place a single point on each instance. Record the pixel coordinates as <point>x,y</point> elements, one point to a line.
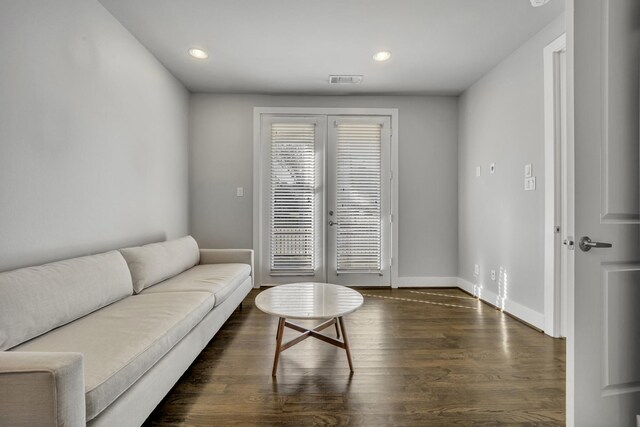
<point>44,389</point>
<point>227,256</point>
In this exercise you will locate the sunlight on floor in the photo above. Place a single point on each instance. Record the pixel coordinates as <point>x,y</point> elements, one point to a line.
<point>503,287</point>
<point>420,301</point>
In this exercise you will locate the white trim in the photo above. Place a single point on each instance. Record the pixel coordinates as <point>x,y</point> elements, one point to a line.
<point>467,286</point>
<point>426,282</point>
<point>515,309</point>
<point>395,196</point>
<point>570,368</point>
<point>257,172</point>
<point>257,198</point>
<point>326,111</point>
<point>551,323</point>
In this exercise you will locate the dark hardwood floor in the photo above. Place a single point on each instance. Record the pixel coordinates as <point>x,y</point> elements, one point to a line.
<point>433,357</point>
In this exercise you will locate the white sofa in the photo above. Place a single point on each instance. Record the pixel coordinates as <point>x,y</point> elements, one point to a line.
<point>99,340</point>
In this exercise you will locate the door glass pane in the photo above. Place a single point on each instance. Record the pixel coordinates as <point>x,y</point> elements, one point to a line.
<point>293,201</point>
<point>358,198</point>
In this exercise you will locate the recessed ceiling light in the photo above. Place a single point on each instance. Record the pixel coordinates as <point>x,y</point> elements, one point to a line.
<point>383,55</point>
<point>198,53</point>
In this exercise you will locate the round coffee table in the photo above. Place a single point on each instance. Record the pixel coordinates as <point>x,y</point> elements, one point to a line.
<point>317,301</point>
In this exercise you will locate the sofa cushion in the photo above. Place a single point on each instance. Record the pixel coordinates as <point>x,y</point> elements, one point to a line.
<point>219,279</point>
<point>117,354</point>
<point>35,300</point>
<point>156,262</point>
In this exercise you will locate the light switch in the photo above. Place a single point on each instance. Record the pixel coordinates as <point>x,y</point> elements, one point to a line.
<point>528,170</point>
<point>240,192</point>
<point>476,269</point>
<point>478,171</point>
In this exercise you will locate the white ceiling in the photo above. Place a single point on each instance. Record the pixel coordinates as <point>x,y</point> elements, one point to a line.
<point>291,46</point>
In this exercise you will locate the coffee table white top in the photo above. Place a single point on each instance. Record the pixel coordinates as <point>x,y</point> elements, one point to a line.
<point>309,301</point>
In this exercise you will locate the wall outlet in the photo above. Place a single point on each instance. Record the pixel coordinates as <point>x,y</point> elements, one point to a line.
<point>492,168</point>
<point>530,184</point>
<point>240,192</point>
<point>493,275</point>
<point>476,269</point>
<point>478,171</point>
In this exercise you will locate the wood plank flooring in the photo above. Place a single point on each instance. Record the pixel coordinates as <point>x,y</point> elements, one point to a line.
<point>429,357</point>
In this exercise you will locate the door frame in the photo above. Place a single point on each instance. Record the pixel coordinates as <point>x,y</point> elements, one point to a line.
<point>258,172</point>
<point>553,261</point>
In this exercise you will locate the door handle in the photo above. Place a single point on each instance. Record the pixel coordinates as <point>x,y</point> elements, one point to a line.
<point>333,223</point>
<point>586,244</point>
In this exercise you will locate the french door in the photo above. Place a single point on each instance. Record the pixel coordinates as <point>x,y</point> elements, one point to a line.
<point>358,202</point>
<point>326,207</point>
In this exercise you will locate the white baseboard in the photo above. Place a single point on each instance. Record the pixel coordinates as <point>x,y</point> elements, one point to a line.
<point>466,286</point>
<point>426,282</point>
<point>513,308</point>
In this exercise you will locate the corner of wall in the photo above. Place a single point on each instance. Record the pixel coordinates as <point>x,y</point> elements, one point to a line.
<point>501,120</point>
<point>513,308</point>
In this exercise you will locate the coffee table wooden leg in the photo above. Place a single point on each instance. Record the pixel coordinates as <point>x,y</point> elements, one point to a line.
<point>279,335</point>
<point>346,342</point>
<point>337,329</point>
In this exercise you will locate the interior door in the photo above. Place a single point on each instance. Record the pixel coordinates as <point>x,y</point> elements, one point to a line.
<point>603,347</point>
<point>358,219</point>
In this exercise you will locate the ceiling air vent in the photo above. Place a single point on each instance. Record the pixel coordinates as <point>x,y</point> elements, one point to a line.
<point>345,79</point>
<point>538,3</point>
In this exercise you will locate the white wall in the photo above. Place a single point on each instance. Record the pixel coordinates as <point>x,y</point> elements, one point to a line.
<point>501,225</point>
<point>221,159</point>
<point>93,135</point>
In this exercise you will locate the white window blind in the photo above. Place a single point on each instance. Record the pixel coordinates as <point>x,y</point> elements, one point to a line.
<point>293,183</point>
<point>358,197</point>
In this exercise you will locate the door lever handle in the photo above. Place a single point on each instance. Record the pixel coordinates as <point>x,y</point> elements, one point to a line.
<point>586,244</point>
<point>333,223</point>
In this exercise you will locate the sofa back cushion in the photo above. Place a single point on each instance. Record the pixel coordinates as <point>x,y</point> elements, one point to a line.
<point>35,300</point>
<point>151,264</point>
